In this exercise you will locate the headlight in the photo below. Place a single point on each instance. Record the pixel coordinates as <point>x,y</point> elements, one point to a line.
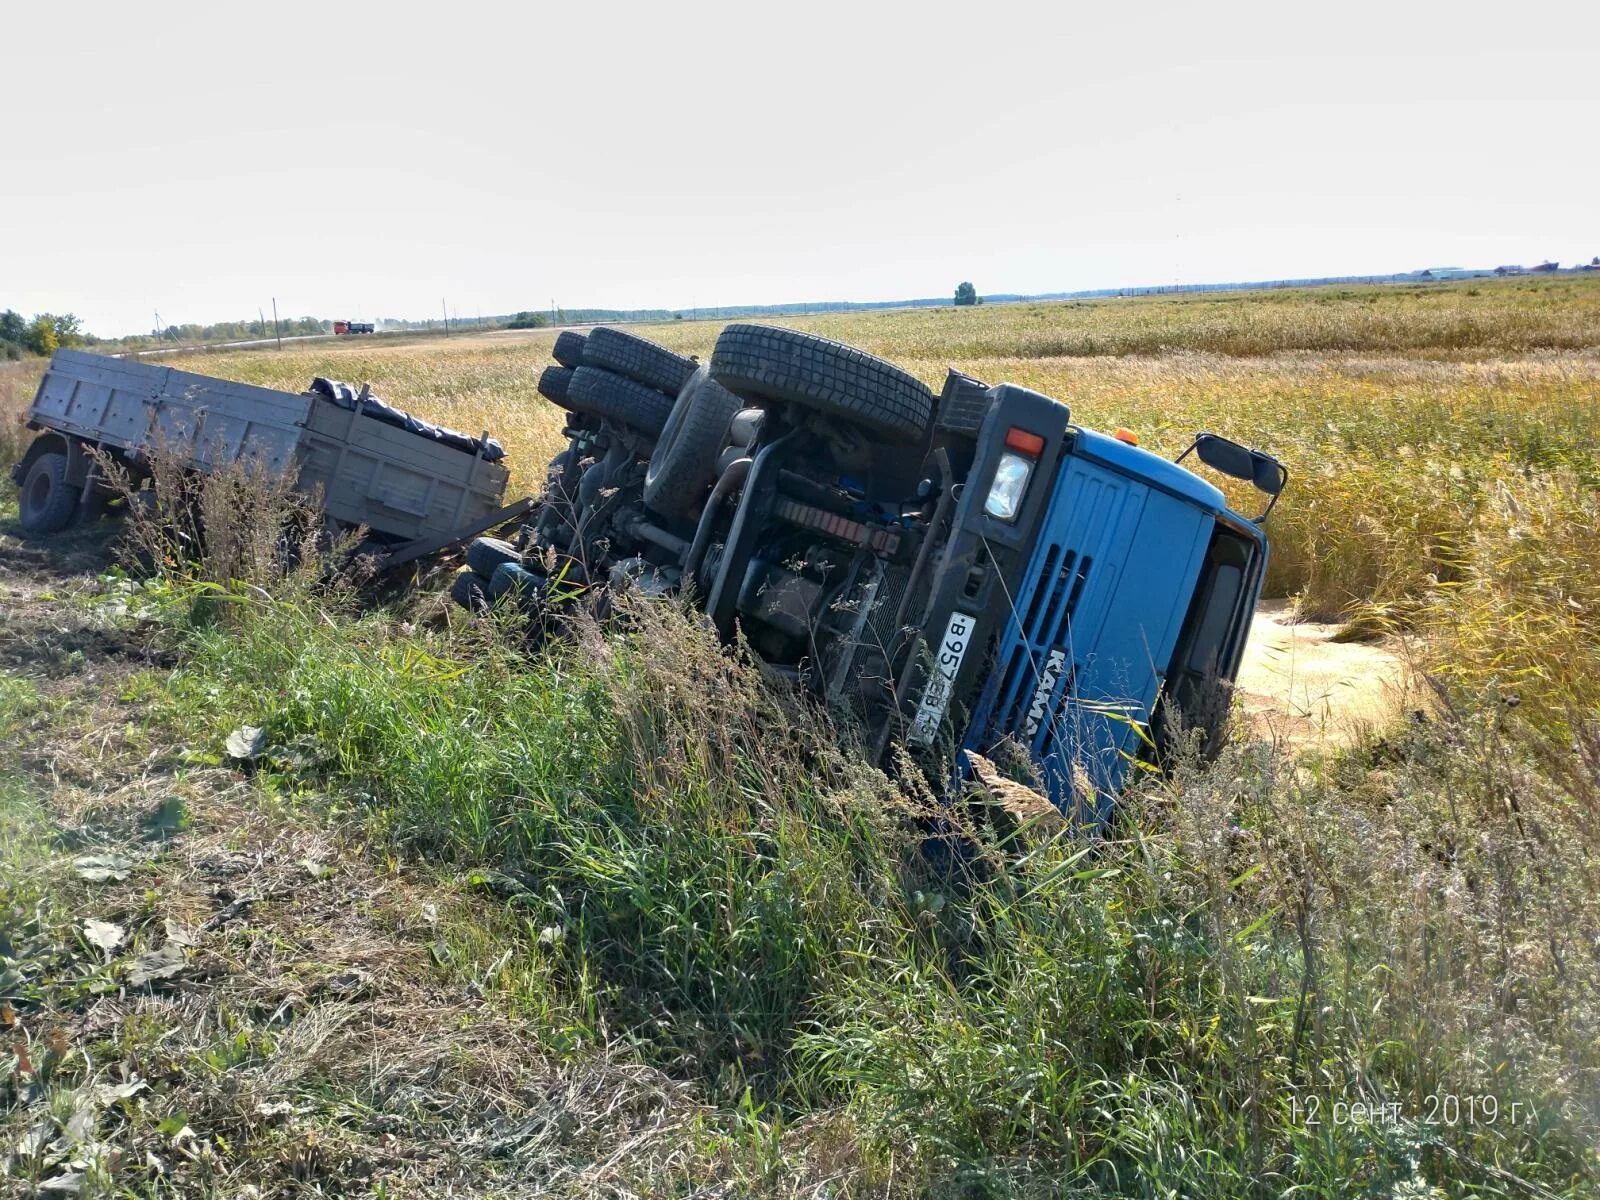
<point>1010,482</point>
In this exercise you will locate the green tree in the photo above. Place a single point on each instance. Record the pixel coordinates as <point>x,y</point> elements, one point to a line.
<point>966,293</point>
<point>42,335</point>
<point>13,334</point>
<point>528,320</point>
<point>69,329</point>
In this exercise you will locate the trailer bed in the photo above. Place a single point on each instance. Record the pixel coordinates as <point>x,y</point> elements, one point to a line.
<point>400,484</point>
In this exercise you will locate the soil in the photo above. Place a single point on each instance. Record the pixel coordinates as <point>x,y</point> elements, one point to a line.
<point>1301,687</point>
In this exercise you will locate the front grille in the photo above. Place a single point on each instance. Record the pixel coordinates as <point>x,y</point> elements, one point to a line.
<point>1047,604</point>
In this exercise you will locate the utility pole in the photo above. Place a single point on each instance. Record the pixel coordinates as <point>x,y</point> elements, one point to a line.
<point>276,332</point>
<point>159,336</point>
<point>263,319</point>
<point>445,309</point>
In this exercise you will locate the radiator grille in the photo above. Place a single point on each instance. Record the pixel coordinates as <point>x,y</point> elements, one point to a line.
<point>1046,608</point>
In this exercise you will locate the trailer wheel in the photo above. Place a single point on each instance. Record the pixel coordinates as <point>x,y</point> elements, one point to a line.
<point>568,350</point>
<point>638,359</point>
<point>685,459</point>
<point>608,395</point>
<point>761,363</point>
<point>553,382</point>
<point>48,502</point>
<point>485,554</point>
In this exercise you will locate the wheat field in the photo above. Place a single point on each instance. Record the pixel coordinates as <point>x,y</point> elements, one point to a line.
<point>616,917</point>
<point>1430,433</point>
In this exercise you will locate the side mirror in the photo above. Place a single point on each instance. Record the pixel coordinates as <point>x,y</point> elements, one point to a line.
<point>1227,457</point>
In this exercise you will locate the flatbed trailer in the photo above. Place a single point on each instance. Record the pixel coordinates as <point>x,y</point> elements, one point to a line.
<point>416,488</point>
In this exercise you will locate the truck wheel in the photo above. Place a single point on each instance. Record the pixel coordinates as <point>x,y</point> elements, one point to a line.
<point>637,359</point>
<point>486,553</point>
<point>471,591</point>
<point>760,362</point>
<point>553,383</point>
<point>685,459</point>
<point>512,578</point>
<point>608,395</point>
<point>48,502</point>
<point>568,350</point>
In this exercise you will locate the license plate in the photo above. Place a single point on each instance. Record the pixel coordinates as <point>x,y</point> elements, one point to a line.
<point>947,658</point>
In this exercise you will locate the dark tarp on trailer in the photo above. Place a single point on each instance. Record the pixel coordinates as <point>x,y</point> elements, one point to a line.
<point>367,404</point>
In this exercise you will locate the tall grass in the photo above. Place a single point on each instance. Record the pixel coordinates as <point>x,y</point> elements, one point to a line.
<point>1416,422</point>
<point>716,887</point>
<point>17,383</point>
<point>1189,1007</point>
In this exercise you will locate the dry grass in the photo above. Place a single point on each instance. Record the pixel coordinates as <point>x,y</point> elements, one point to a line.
<point>17,383</point>
<point>342,1020</point>
<point>1407,416</point>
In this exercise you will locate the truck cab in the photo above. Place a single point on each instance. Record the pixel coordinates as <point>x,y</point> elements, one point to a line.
<point>1010,579</point>
<point>1092,602</point>
<point>971,573</point>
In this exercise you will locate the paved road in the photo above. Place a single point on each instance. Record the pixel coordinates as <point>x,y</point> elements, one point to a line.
<point>305,337</point>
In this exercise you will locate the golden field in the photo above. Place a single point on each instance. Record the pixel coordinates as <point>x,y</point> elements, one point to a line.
<point>621,879</point>
<point>1441,441</point>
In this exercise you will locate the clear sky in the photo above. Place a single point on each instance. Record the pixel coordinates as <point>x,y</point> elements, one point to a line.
<point>365,160</point>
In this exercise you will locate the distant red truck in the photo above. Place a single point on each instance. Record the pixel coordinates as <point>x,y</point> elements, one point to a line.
<point>352,327</point>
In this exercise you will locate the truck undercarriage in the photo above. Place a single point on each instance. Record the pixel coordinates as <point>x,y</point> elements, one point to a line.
<point>952,572</point>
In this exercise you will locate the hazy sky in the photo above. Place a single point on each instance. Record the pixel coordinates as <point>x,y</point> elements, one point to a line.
<point>365,159</point>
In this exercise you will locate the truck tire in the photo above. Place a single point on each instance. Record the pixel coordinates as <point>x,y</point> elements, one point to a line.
<point>486,553</point>
<point>48,502</point>
<point>512,578</point>
<point>684,464</point>
<point>471,591</point>
<point>608,395</point>
<point>553,383</point>
<point>568,350</point>
<point>639,360</point>
<point>760,362</point>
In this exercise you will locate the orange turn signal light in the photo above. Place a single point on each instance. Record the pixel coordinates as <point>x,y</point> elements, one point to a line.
<point>1024,442</point>
<point>1126,435</point>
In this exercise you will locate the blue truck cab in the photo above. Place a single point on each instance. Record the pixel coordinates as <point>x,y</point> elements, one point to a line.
<point>1008,580</point>
<point>1092,601</point>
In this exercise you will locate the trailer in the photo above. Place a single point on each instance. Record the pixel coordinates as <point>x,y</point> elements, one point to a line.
<point>415,487</point>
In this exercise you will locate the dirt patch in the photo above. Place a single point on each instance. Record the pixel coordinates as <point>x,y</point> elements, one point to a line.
<point>213,992</point>
<point>55,620</point>
<point>1300,687</point>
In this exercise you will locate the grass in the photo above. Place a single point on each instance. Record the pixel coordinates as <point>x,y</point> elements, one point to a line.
<point>704,884</point>
<point>674,896</point>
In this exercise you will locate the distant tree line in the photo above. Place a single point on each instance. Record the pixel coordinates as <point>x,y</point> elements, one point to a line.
<point>45,334</point>
<point>231,331</point>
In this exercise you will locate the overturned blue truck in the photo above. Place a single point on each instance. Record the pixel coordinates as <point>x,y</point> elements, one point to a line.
<point>964,573</point>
